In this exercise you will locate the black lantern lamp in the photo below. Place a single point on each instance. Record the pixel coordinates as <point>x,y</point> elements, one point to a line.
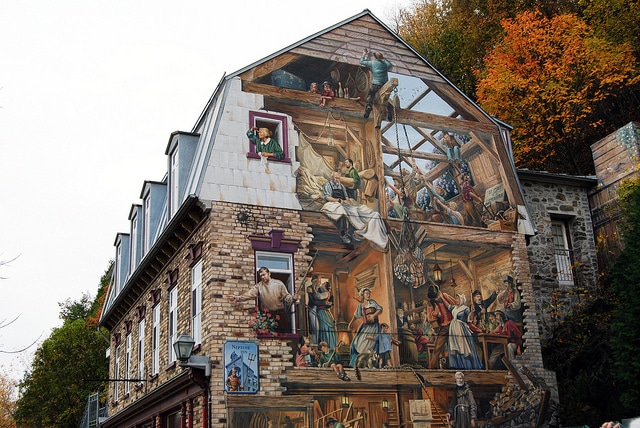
<point>183,347</point>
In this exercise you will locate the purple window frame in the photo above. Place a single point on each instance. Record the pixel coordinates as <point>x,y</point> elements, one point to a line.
<point>256,116</point>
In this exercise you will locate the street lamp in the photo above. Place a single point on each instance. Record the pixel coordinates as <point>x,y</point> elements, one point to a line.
<point>183,346</point>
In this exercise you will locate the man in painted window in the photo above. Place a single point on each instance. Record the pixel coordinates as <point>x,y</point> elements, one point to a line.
<point>272,294</point>
<point>266,145</point>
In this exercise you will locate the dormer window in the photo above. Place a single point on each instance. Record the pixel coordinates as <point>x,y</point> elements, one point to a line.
<point>146,228</point>
<point>174,181</point>
<point>181,150</point>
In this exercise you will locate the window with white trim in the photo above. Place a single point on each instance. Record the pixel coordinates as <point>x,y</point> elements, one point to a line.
<point>155,361</point>
<point>174,190</point>
<point>118,274</point>
<point>116,371</point>
<point>141,327</point>
<point>173,322</point>
<point>562,251</point>
<point>196,302</point>
<point>127,362</point>
<point>146,225</point>
<point>277,125</point>
<point>280,266</point>
<point>133,255</point>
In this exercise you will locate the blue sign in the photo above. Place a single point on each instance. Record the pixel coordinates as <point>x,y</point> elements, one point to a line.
<point>241,367</point>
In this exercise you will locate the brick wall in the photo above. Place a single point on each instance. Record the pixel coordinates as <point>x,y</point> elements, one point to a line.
<point>228,267</point>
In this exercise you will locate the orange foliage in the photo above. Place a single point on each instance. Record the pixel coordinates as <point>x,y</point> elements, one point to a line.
<point>553,80</point>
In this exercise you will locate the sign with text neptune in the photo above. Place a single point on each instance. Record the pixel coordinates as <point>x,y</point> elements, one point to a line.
<point>241,367</point>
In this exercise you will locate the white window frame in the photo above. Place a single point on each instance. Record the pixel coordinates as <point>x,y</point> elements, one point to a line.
<point>116,371</point>
<point>196,302</point>
<point>280,265</point>
<point>155,361</point>
<point>562,251</point>
<point>174,181</point>
<point>133,259</point>
<point>141,327</point>
<point>118,268</point>
<point>146,226</point>
<point>127,363</point>
<point>172,326</point>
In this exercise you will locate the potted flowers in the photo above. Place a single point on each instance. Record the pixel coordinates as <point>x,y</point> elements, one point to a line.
<point>264,323</point>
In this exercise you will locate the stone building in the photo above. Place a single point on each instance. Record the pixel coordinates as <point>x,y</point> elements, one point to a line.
<point>380,216</point>
<point>562,253</point>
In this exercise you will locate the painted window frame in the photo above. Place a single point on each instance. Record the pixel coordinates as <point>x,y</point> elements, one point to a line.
<point>278,126</point>
<point>272,260</point>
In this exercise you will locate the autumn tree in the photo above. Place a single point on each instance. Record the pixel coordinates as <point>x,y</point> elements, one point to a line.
<point>557,84</point>
<point>7,401</point>
<point>455,35</point>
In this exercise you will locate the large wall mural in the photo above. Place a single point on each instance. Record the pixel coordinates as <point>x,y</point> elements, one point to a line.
<point>394,183</point>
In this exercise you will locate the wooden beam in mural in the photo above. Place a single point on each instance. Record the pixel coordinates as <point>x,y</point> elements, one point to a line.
<point>418,155</point>
<point>487,148</point>
<point>270,66</point>
<point>467,235</point>
<point>404,116</point>
<point>325,379</point>
<point>434,121</point>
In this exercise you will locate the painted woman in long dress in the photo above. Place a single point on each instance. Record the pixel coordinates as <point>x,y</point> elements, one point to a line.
<point>366,338</point>
<point>326,322</point>
<point>462,348</point>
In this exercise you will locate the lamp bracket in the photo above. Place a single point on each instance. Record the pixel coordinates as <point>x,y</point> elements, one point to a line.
<point>202,362</point>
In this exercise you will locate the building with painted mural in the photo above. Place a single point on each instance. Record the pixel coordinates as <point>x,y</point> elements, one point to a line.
<point>329,259</point>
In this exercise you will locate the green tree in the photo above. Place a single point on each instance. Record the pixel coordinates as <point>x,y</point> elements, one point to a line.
<point>625,284</point>
<point>65,367</point>
<point>614,20</point>
<point>559,85</point>
<point>579,352</point>
<point>75,310</point>
<point>594,350</point>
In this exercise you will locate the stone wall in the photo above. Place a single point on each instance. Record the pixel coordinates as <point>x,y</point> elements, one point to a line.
<point>556,197</point>
<point>532,354</point>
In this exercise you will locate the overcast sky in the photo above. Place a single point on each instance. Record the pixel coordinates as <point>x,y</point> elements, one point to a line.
<point>90,91</point>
